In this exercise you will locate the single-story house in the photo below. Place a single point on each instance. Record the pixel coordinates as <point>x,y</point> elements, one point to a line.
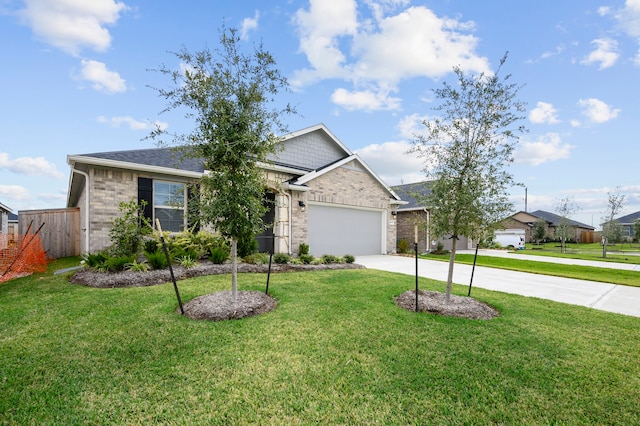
<point>525,220</point>
<point>413,218</point>
<point>322,194</point>
<point>627,224</point>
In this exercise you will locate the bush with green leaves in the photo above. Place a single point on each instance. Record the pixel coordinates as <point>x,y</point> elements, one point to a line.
<point>349,258</point>
<point>136,266</point>
<point>119,263</point>
<point>218,255</point>
<point>303,249</point>
<point>94,260</point>
<point>330,258</point>
<point>256,259</point>
<point>187,261</point>
<point>127,232</point>
<point>403,246</point>
<point>157,259</point>
<point>281,258</point>
<point>306,258</point>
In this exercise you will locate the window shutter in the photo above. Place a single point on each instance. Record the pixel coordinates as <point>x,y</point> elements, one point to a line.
<point>145,193</point>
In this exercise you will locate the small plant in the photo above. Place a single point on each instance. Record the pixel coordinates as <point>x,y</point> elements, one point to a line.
<point>330,258</point>
<point>349,258</point>
<point>188,261</point>
<point>92,260</point>
<point>156,259</point>
<point>119,263</point>
<point>303,249</point>
<point>403,246</point>
<point>218,255</point>
<point>306,258</point>
<point>281,258</point>
<point>256,259</point>
<point>137,266</point>
<point>150,245</point>
<point>127,231</point>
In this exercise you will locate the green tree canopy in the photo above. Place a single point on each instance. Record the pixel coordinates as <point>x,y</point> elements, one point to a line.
<point>466,149</point>
<point>230,97</point>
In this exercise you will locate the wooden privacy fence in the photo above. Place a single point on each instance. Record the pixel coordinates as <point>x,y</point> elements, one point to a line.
<point>60,234</point>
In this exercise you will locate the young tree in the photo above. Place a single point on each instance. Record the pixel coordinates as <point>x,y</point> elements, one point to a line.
<point>565,209</point>
<point>466,151</point>
<point>230,96</point>
<point>610,227</point>
<point>539,230</point>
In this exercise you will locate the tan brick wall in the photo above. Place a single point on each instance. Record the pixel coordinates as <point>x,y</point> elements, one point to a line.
<point>348,185</point>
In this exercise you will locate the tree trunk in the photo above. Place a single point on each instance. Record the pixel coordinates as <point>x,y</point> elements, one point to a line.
<point>234,270</point>
<point>452,260</point>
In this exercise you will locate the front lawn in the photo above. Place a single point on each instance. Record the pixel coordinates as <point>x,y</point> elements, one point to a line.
<point>336,350</point>
<point>588,273</point>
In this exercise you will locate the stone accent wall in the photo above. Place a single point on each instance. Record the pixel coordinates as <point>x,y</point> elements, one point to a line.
<point>350,186</point>
<point>108,188</point>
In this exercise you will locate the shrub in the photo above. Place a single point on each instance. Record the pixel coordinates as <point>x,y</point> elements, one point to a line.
<point>188,261</point>
<point>281,258</point>
<point>137,266</point>
<point>91,260</point>
<point>403,246</point>
<point>127,231</point>
<point>306,258</point>
<point>247,246</point>
<point>156,259</point>
<point>304,249</point>
<point>349,258</point>
<point>330,258</point>
<point>256,259</point>
<point>218,255</point>
<point>119,263</point>
<point>150,245</point>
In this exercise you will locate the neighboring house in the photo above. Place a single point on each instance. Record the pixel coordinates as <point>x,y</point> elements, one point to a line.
<point>323,195</point>
<point>525,220</point>
<point>627,224</point>
<point>4,225</point>
<point>413,218</point>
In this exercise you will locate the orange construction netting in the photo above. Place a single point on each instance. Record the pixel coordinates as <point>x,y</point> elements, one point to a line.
<point>22,256</point>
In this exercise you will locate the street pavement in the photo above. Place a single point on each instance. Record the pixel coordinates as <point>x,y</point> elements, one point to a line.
<point>607,297</point>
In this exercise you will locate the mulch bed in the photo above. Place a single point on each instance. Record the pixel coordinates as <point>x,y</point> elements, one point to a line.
<point>434,302</point>
<point>92,278</point>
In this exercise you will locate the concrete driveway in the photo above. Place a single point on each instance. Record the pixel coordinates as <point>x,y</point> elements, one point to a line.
<point>606,297</point>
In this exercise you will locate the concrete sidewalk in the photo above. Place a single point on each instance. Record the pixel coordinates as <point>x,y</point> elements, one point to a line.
<point>606,297</point>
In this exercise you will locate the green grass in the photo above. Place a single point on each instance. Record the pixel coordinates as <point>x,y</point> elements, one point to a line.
<point>588,273</point>
<point>335,351</point>
<point>584,254</point>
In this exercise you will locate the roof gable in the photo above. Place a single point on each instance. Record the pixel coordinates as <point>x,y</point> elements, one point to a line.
<point>310,149</point>
<point>415,194</point>
<point>630,218</point>
<point>555,219</point>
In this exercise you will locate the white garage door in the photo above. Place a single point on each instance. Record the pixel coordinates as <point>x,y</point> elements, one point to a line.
<point>340,231</point>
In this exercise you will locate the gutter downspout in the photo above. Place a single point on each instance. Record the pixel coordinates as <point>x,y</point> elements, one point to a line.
<point>86,207</point>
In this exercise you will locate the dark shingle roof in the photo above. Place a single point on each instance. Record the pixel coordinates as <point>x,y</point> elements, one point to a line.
<point>555,220</point>
<point>415,194</point>
<point>159,157</point>
<point>630,218</point>
<point>13,217</point>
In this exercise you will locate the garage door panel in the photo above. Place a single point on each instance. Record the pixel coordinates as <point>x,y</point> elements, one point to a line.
<point>340,230</point>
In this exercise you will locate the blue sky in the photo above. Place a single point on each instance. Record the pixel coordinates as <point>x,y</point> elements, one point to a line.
<point>75,79</point>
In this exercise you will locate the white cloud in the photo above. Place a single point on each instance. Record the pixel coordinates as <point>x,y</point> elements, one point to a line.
<point>376,54</point>
<point>412,125</point>
<point>249,24</point>
<point>101,78</point>
<point>548,147</point>
<point>629,18</point>
<point>16,193</point>
<point>132,123</point>
<point>606,53</point>
<point>71,25</point>
<point>543,113</point>
<point>391,162</point>
<point>597,111</point>
<point>31,166</point>
<point>364,100</point>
